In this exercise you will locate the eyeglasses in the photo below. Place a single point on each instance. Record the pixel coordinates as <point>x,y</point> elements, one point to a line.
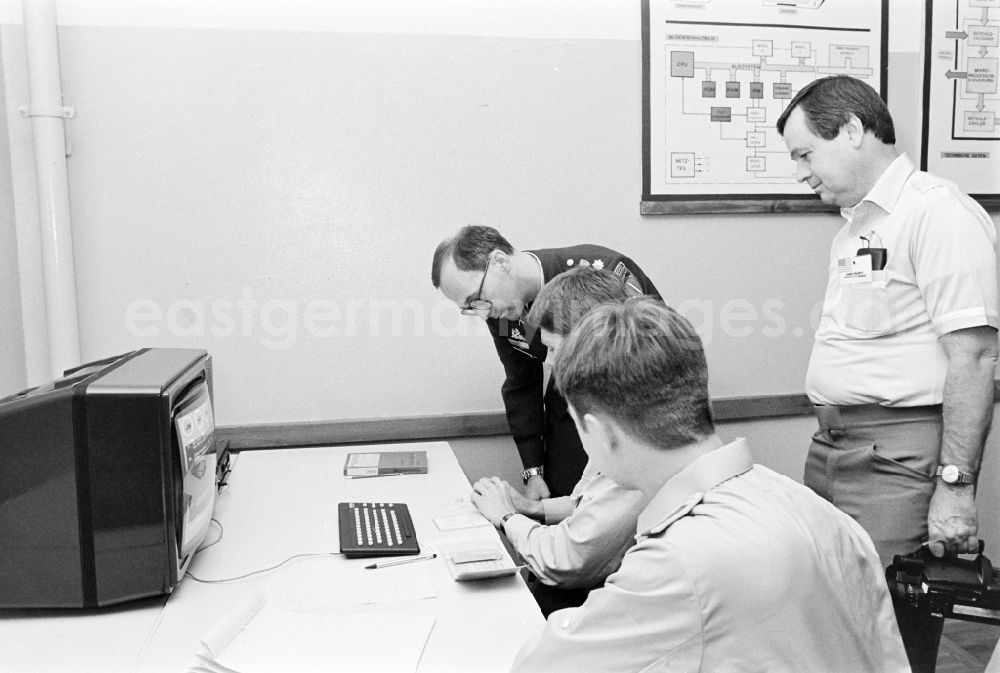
<point>478,305</point>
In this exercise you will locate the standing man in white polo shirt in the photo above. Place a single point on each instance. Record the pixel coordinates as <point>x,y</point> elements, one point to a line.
<point>902,368</point>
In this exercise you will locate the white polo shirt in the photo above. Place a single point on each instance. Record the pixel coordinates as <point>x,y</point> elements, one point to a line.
<point>877,341</point>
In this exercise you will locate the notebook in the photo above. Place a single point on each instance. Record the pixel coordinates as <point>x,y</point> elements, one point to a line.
<point>380,463</point>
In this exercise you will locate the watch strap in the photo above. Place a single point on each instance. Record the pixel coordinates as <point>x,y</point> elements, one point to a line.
<point>951,474</point>
<point>530,472</point>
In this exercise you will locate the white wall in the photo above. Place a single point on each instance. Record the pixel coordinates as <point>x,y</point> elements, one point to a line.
<point>231,183</point>
<point>12,365</point>
<point>583,19</point>
<point>268,181</point>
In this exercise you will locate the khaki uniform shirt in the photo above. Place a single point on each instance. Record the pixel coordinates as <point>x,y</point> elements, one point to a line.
<point>736,568</point>
<point>585,547</point>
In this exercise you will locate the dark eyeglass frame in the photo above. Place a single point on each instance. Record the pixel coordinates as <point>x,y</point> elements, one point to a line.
<point>478,305</point>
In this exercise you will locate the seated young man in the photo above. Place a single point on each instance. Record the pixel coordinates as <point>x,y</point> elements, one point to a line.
<point>587,532</point>
<point>735,567</point>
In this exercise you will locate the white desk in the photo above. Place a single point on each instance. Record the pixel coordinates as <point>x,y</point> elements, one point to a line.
<point>281,503</point>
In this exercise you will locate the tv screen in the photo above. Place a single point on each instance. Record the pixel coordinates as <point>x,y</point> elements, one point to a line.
<point>107,480</point>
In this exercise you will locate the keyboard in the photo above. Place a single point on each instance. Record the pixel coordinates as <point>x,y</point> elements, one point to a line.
<point>370,529</point>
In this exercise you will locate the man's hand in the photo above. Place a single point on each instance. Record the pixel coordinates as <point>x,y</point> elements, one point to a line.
<point>491,497</point>
<point>953,521</point>
<point>536,489</point>
<point>526,506</point>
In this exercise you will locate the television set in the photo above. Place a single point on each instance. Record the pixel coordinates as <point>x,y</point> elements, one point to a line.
<point>107,480</point>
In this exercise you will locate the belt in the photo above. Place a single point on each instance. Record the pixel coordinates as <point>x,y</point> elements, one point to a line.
<point>833,417</point>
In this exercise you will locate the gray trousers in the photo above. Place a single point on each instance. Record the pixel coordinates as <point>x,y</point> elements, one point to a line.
<point>877,464</point>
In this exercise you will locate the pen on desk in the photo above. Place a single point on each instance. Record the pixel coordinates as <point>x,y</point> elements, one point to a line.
<point>385,564</point>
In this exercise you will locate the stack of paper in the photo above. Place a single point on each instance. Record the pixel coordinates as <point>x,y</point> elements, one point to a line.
<point>260,638</point>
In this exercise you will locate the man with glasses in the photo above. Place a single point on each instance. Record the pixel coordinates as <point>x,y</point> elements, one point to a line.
<point>486,277</point>
<point>570,544</point>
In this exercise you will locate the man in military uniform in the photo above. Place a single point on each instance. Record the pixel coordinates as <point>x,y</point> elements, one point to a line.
<point>571,543</point>
<point>485,276</point>
<point>735,567</point>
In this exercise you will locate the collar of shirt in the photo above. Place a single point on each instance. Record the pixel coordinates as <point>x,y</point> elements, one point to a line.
<point>686,488</point>
<point>887,189</point>
<point>541,267</point>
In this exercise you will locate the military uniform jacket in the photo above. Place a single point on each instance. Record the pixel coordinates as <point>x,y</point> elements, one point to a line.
<point>541,425</point>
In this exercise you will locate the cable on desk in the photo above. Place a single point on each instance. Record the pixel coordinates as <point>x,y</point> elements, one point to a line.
<point>258,572</point>
<point>216,540</point>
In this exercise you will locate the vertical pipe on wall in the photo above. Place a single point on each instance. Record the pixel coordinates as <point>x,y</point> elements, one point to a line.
<point>47,125</point>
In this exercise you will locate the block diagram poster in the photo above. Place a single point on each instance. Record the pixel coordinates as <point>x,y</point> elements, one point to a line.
<point>716,76</point>
<point>961,131</point>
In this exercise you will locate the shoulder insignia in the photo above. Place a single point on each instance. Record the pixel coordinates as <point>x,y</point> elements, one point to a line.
<point>678,513</point>
<point>515,333</point>
<point>633,287</point>
<point>584,262</point>
<point>598,264</point>
<point>569,262</point>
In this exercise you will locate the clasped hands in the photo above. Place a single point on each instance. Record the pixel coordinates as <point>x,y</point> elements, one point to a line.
<point>494,498</point>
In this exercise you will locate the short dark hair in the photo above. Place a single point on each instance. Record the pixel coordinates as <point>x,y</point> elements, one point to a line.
<point>469,249</point>
<point>571,295</point>
<point>642,364</point>
<point>829,102</point>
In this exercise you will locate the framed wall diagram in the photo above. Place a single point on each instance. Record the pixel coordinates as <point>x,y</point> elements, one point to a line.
<point>961,129</point>
<point>716,76</point>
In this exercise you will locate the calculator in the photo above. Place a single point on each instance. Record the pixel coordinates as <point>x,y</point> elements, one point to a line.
<point>370,529</point>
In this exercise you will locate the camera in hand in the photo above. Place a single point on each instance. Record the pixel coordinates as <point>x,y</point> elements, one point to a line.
<point>953,587</point>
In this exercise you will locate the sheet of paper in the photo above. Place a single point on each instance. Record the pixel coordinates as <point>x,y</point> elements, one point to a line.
<point>460,521</point>
<point>321,583</point>
<point>282,640</point>
<point>223,633</point>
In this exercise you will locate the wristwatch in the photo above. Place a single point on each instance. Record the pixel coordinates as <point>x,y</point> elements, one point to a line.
<point>506,516</point>
<point>950,474</point>
<point>530,472</point>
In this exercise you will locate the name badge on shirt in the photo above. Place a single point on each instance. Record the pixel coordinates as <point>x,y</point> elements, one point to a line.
<point>856,269</point>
